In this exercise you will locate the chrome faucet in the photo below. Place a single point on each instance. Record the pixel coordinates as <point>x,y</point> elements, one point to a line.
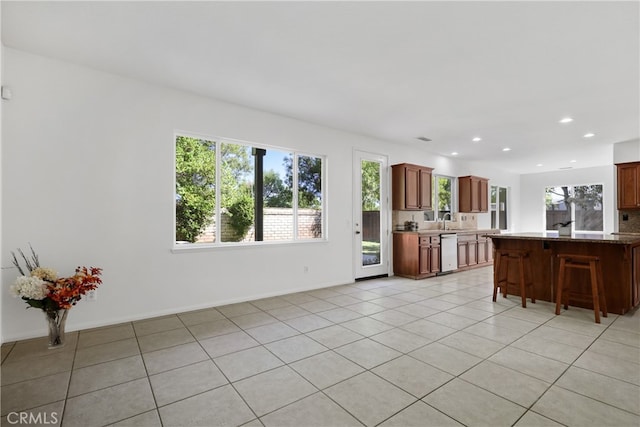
<point>444,220</point>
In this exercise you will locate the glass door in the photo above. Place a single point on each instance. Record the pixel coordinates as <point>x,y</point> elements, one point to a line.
<point>371,209</point>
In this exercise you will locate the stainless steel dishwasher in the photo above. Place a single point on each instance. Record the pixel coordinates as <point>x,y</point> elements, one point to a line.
<point>448,252</point>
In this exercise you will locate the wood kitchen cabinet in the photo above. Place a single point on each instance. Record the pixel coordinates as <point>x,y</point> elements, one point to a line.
<point>483,253</point>
<point>430,248</point>
<point>485,248</point>
<point>416,255</point>
<point>467,250</point>
<point>628,185</point>
<point>475,250</point>
<point>411,187</point>
<point>473,194</point>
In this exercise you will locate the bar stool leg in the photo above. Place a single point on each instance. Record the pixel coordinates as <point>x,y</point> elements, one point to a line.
<point>603,299</point>
<point>496,276</point>
<point>560,285</point>
<point>567,288</point>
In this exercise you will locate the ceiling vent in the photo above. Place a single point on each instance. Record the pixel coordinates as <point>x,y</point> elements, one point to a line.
<point>424,138</point>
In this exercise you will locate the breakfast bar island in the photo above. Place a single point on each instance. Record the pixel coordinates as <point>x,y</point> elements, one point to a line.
<point>619,256</point>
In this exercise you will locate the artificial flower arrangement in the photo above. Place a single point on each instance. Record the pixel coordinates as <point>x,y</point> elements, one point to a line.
<point>43,289</point>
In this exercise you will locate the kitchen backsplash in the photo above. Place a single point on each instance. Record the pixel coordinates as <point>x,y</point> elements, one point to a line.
<point>631,224</point>
<point>464,221</point>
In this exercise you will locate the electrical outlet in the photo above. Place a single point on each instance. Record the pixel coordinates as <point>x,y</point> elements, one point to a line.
<point>92,295</point>
<point>306,269</point>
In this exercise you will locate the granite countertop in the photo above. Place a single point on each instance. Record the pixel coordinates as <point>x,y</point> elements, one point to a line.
<point>575,237</point>
<point>451,231</point>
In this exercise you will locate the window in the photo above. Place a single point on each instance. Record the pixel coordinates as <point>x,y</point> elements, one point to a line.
<point>499,208</point>
<point>227,191</point>
<point>578,205</point>
<point>443,196</point>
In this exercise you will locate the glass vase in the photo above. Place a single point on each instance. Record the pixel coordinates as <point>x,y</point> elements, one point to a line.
<point>56,320</point>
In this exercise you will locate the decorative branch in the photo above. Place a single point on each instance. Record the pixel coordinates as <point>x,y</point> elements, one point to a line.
<point>31,264</point>
<point>17,264</point>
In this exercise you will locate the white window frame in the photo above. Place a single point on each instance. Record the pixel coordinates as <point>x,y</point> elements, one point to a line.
<point>497,206</point>
<point>573,209</point>
<point>180,247</point>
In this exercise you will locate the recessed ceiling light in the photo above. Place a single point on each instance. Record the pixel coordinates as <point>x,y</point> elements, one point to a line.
<point>572,161</point>
<point>477,139</point>
<point>455,153</point>
<point>539,164</point>
<point>589,135</point>
<point>566,120</point>
<point>506,149</point>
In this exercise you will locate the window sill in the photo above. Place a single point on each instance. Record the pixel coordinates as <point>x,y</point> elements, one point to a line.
<point>207,247</point>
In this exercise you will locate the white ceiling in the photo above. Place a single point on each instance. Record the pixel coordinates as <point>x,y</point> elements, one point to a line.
<point>450,71</point>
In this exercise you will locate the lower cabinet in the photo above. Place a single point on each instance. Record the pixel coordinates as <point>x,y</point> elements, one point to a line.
<point>467,250</point>
<point>429,254</point>
<point>416,255</point>
<point>474,249</point>
<point>485,249</point>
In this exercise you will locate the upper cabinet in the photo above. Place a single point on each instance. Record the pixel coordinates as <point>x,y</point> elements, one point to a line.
<point>473,194</point>
<point>411,187</point>
<point>628,185</point>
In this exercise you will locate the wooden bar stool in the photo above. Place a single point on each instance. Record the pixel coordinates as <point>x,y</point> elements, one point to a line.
<point>505,257</point>
<point>583,262</point>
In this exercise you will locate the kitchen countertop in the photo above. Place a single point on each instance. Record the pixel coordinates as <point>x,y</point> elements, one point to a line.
<point>451,231</point>
<point>575,237</point>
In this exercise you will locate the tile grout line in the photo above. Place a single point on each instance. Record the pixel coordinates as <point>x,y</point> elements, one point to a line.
<point>333,350</point>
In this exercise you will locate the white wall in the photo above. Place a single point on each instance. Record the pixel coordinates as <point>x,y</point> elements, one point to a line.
<point>87,178</point>
<point>627,151</point>
<point>532,188</point>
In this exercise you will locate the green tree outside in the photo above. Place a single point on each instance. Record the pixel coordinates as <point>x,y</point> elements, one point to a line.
<point>195,186</point>
<point>276,194</point>
<point>309,180</point>
<point>444,193</point>
<point>370,186</point>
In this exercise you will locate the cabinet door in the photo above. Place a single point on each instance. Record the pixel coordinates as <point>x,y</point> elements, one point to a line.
<point>482,250</point>
<point>464,194</point>
<point>425,189</point>
<point>628,187</point>
<point>425,259</point>
<point>484,195</point>
<point>472,253</point>
<point>412,187</point>
<point>435,259</point>
<point>475,195</point>
<point>463,260</point>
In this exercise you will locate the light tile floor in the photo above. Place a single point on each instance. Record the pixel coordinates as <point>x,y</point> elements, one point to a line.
<point>389,352</point>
